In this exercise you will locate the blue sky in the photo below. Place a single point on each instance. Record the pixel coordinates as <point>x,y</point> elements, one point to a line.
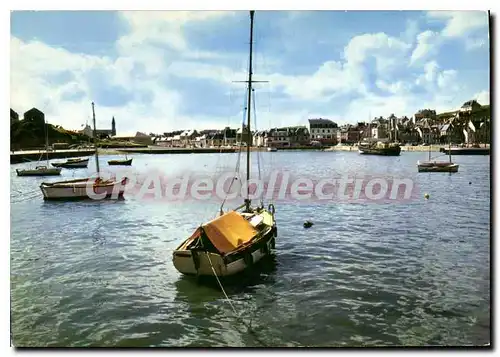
<point>163,71</point>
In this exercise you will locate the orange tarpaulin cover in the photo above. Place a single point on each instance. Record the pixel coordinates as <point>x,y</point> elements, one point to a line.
<point>229,231</point>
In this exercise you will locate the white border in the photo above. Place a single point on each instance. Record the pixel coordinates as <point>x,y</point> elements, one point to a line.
<point>189,5</point>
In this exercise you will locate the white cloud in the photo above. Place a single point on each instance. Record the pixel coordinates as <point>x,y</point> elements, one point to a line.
<point>473,43</point>
<point>34,65</point>
<point>483,97</point>
<point>459,23</point>
<point>471,26</point>
<point>387,51</point>
<point>427,45</point>
<point>397,87</point>
<point>447,79</point>
<point>156,42</point>
<point>162,26</point>
<point>430,74</point>
<point>333,78</point>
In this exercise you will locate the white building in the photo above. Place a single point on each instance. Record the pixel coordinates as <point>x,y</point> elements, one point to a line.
<point>323,130</point>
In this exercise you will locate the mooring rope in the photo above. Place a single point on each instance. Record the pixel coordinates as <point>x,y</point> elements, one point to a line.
<point>26,198</point>
<point>238,316</point>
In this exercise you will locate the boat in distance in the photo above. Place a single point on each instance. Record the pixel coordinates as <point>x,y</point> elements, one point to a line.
<point>78,189</point>
<point>72,163</point>
<point>379,148</point>
<point>120,162</point>
<point>39,171</point>
<point>437,166</point>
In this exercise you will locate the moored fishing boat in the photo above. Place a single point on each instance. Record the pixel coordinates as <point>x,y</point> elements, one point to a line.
<point>84,188</point>
<point>369,147</point>
<point>235,240</point>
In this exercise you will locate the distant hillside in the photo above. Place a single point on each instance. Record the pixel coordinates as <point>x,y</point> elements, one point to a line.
<point>483,112</point>
<point>26,134</point>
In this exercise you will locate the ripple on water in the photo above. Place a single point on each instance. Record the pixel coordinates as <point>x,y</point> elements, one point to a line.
<point>100,274</point>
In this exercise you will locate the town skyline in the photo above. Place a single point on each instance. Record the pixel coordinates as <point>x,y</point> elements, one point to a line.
<point>112,131</point>
<point>163,71</point>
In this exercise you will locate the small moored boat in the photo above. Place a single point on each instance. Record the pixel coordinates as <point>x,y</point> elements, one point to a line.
<point>72,164</point>
<point>436,166</point>
<point>79,189</point>
<point>84,188</point>
<point>229,244</point>
<point>234,241</point>
<point>39,171</point>
<point>126,162</point>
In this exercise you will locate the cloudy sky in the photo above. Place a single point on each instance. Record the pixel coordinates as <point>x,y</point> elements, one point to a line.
<point>163,71</point>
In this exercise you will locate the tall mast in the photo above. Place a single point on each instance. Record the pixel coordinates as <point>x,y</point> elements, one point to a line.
<point>369,125</point>
<point>449,150</point>
<point>247,201</point>
<point>47,142</point>
<point>95,141</point>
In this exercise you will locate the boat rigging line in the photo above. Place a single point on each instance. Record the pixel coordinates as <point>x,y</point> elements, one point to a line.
<point>258,151</point>
<point>238,160</point>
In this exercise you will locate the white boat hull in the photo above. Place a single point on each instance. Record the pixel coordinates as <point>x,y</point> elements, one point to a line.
<point>80,189</point>
<point>184,263</point>
<point>437,167</point>
<point>200,262</point>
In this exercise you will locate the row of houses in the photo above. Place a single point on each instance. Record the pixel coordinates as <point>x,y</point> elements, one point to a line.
<point>425,127</point>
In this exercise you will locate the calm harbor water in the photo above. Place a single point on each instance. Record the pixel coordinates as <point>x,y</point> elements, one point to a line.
<point>414,273</point>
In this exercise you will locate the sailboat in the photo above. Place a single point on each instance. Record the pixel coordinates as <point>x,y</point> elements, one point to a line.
<point>235,240</point>
<point>41,170</point>
<point>126,162</point>
<point>75,163</point>
<point>77,189</point>
<point>437,166</point>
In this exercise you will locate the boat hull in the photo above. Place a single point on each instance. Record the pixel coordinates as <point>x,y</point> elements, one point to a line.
<point>439,167</point>
<point>200,262</point>
<point>77,190</point>
<point>120,162</point>
<point>394,151</point>
<point>184,261</point>
<point>39,172</point>
<point>466,151</point>
<point>72,164</point>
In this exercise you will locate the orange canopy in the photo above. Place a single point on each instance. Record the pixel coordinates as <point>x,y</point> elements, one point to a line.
<point>229,231</point>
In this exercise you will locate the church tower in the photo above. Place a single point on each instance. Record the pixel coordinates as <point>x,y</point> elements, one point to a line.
<point>113,127</point>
